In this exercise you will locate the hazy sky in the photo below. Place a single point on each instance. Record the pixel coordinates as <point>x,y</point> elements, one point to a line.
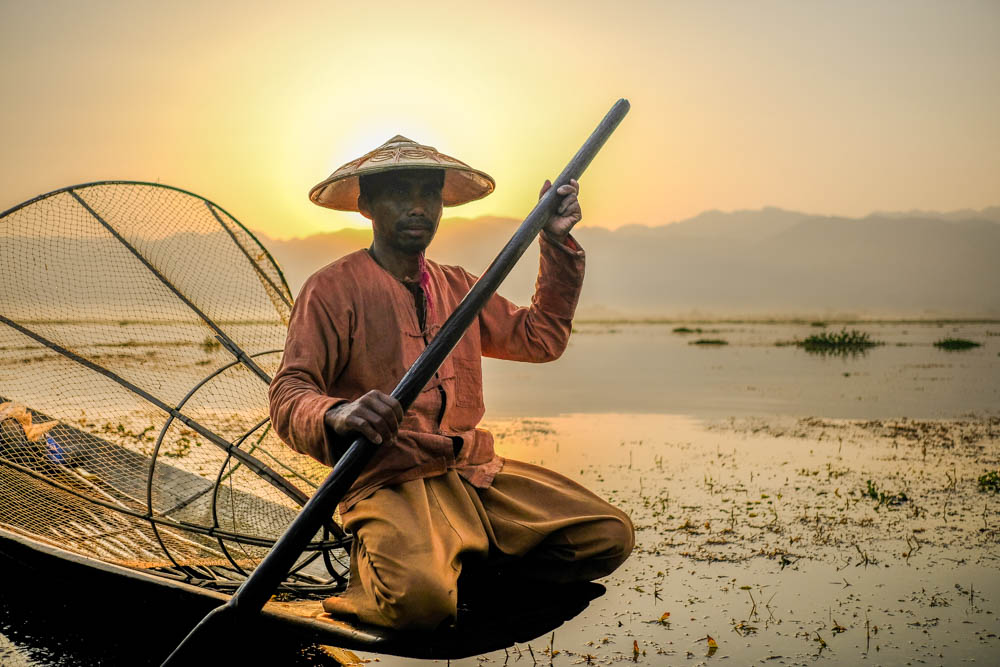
<point>827,107</point>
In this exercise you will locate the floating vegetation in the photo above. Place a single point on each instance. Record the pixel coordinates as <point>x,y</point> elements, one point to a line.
<point>736,508</point>
<point>210,344</point>
<point>179,448</point>
<point>590,330</point>
<point>685,330</point>
<point>956,344</point>
<point>841,342</point>
<point>144,440</point>
<point>123,433</point>
<point>817,324</point>
<point>709,341</point>
<point>883,498</point>
<point>990,481</point>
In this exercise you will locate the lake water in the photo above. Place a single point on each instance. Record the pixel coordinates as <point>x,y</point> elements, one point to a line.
<point>652,385</point>
<point>624,368</point>
<point>647,368</point>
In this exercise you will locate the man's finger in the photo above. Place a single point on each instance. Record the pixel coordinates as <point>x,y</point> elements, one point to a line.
<point>394,405</point>
<point>545,187</point>
<point>378,402</point>
<point>567,202</point>
<point>377,427</point>
<point>386,414</point>
<point>376,421</point>
<point>383,406</point>
<point>359,425</point>
<point>375,396</point>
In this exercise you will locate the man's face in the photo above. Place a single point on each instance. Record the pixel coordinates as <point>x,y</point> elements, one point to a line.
<point>405,209</point>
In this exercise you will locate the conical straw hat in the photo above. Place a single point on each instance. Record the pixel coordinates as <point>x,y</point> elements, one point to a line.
<point>462,183</point>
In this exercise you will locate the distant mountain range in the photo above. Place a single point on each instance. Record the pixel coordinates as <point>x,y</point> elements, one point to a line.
<point>762,263</point>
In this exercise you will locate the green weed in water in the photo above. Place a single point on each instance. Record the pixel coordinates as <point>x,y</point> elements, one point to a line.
<point>709,341</point>
<point>883,498</point>
<point>841,342</point>
<point>178,449</point>
<point>210,344</point>
<point>990,481</point>
<point>955,344</point>
<point>686,330</point>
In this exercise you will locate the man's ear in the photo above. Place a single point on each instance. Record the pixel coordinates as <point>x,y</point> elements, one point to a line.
<point>363,207</point>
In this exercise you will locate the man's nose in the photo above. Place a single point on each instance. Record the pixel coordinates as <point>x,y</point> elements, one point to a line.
<point>417,206</point>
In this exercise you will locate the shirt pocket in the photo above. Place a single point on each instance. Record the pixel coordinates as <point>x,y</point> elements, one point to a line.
<point>469,373</point>
<point>416,343</point>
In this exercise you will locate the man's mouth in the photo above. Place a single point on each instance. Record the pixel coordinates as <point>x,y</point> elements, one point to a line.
<point>415,227</point>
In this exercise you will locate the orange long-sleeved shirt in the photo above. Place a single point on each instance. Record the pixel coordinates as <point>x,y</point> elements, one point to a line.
<point>354,328</point>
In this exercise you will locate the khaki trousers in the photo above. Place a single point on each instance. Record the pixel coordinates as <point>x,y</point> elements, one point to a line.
<point>411,541</point>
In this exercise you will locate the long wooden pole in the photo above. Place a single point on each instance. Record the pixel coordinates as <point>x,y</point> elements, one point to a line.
<point>250,598</point>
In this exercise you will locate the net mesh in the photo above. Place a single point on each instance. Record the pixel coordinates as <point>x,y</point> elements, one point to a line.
<point>139,326</point>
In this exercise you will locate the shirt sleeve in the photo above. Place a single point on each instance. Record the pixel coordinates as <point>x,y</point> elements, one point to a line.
<point>539,332</point>
<point>316,349</point>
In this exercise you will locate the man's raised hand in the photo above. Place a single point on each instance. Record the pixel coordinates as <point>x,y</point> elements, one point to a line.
<point>567,214</point>
<point>375,415</point>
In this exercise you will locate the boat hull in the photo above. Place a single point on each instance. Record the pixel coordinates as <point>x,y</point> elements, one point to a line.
<point>116,604</point>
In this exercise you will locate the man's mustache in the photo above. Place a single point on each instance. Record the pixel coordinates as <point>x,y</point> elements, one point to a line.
<point>415,223</point>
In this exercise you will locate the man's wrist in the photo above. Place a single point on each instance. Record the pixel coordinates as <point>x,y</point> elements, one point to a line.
<point>558,239</point>
<point>336,444</point>
<point>330,416</point>
<point>566,243</point>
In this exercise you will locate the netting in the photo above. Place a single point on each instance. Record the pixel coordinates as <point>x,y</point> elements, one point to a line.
<point>139,328</point>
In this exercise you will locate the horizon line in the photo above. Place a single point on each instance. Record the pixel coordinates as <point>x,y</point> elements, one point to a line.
<point>915,213</point>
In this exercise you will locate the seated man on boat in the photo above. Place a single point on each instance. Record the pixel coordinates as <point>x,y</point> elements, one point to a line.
<point>436,501</point>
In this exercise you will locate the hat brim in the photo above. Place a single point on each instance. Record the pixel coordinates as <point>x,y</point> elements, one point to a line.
<point>462,185</point>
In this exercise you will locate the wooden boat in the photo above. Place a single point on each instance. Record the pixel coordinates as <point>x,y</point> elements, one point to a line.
<point>80,587</point>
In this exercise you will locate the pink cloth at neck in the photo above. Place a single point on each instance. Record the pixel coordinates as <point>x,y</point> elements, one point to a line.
<point>425,284</point>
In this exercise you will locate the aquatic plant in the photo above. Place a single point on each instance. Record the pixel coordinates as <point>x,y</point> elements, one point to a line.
<point>179,448</point>
<point>841,342</point>
<point>210,344</point>
<point>883,498</point>
<point>955,344</point>
<point>990,481</point>
<point>709,341</point>
<point>686,330</point>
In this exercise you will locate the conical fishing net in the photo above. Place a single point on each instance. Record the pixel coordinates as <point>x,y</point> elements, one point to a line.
<point>139,328</point>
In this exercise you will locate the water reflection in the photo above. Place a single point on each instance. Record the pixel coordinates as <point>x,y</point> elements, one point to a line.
<point>845,352</point>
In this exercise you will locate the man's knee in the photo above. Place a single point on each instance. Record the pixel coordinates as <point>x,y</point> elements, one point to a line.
<point>619,537</point>
<point>593,550</point>
<point>421,603</point>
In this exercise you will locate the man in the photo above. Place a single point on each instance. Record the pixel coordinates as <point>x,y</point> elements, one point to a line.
<point>436,500</point>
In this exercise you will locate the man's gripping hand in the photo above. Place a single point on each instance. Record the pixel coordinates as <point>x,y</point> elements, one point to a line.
<point>567,214</point>
<point>375,415</point>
